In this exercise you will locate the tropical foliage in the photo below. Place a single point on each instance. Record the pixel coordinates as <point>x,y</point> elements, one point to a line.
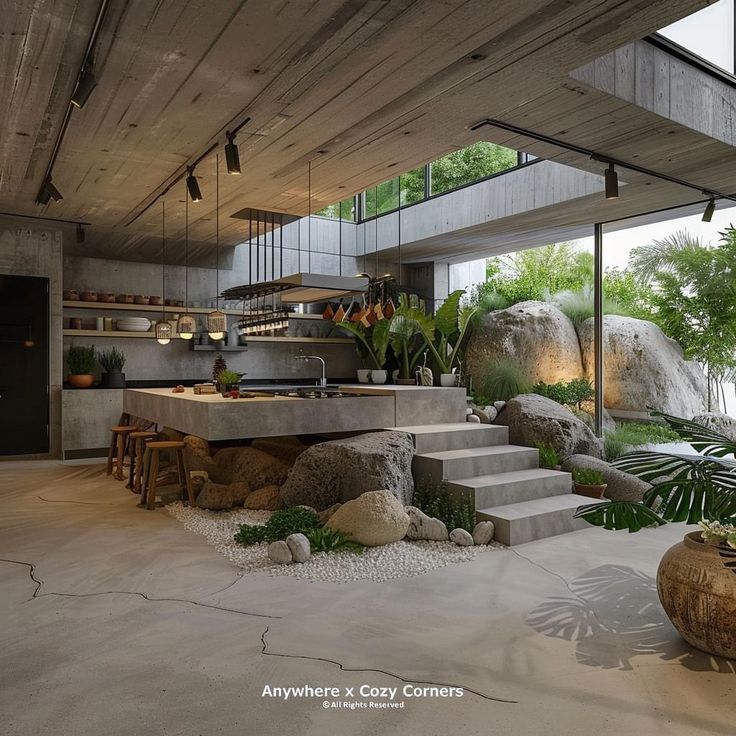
<point>690,488</point>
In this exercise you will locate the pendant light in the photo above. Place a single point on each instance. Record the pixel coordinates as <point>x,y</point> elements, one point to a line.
<point>162,329</point>
<point>186,325</point>
<point>216,320</point>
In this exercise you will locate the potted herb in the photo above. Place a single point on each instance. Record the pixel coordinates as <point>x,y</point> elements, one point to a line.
<point>227,380</point>
<point>82,361</point>
<point>372,345</point>
<point>588,482</point>
<point>112,362</point>
<point>452,325</point>
<point>548,457</point>
<point>695,578</point>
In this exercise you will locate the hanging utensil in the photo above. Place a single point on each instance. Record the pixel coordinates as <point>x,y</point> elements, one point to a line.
<point>339,315</point>
<point>329,312</point>
<point>389,309</point>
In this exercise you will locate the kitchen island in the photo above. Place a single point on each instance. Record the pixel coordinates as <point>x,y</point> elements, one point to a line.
<point>356,408</point>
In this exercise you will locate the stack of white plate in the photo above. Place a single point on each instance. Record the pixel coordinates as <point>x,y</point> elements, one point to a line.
<point>134,324</point>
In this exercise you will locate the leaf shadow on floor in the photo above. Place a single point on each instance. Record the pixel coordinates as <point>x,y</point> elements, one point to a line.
<point>613,614</point>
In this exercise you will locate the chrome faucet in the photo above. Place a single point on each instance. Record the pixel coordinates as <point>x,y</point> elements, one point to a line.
<point>322,381</point>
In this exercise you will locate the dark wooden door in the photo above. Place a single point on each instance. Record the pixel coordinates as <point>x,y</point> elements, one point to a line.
<point>24,365</point>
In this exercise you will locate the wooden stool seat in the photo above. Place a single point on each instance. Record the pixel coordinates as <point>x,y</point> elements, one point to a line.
<point>151,459</point>
<point>136,446</point>
<point>118,443</point>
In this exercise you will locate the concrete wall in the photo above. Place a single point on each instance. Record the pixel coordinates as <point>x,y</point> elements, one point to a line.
<point>33,250</point>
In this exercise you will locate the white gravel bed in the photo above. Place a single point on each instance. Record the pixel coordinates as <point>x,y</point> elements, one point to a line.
<point>398,560</point>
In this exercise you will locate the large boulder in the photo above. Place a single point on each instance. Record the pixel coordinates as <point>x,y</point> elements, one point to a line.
<point>621,486</point>
<point>341,470</point>
<point>286,449</point>
<point>718,422</point>
<point>372,519</point>
<point>216,496</point>
<point>644,368</point>
<point>534,420</point>
<point>247,465</point>
<point>267,498</point>
<point>535,335</point>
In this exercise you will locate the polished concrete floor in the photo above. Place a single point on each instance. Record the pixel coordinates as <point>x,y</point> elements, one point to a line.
<point>116,621</point>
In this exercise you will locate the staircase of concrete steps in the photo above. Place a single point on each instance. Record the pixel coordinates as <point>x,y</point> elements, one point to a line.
<point>505,482</point>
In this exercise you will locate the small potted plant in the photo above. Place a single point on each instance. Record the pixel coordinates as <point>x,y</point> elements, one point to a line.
<point>548,457</point>
<point>589,482</point>
<point>82,361</point>
<point>372,344</point>
<point>227,380</point>
<point>112,362</point>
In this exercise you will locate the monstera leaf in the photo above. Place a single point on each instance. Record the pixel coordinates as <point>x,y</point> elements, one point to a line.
<point>619,515</point>
<point>703,439</point>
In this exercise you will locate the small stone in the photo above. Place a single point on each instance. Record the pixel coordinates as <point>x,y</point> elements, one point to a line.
<point>279,553</point>
<point>306,508</point>
<point>461,537</point>
<point>482,415</point>
<point>267,498</point>
<point>492,412</point>
<point>473,419</point>
<point>468,411</point>
<point>483,532</point>
<point>299,547</point>
<point>422,526</point>
<point>498,405</point>
<point>323,516</point>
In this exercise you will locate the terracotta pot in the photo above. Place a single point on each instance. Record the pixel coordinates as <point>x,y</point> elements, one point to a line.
<point>583,489</point>
<point>124,299</point>
<point>155,300</point>
<point>80,380</point>
<point>698,594</point>
<point>140,299</point>
<point>71,295</point>
<point>89,296</point>
<point>107,297</point>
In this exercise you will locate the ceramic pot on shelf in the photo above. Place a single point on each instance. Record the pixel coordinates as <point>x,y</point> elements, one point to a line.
<point>448,379</point>
<point>113,379</point>
<point>80,380</point>
<point>379,376</point>
<point>364,375</point>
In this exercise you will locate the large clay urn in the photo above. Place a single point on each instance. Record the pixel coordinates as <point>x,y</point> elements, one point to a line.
<point>697,587</point>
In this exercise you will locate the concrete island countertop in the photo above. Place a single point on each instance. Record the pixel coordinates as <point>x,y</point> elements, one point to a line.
<point>215,417</point>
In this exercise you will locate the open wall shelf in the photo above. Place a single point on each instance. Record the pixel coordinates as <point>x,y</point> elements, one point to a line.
<point>149,334</point>
<point>114,306</point>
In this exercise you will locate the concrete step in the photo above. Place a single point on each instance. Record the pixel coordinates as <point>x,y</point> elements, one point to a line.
<point>528,521</point>
<point>473,461</point>
<point>455,436</point>
<point>512,487</point>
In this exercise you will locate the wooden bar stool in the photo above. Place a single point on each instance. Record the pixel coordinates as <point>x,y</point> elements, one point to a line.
<point>136,446</point>
<point>151,461</point>
<point>118,443</point>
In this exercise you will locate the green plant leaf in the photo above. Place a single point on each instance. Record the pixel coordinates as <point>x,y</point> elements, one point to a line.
<point>619,515</point>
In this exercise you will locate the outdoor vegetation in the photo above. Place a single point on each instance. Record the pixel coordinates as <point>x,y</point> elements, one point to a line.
<point>436,501</point>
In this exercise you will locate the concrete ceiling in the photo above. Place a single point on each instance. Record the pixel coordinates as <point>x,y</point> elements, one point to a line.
<point>364,89</point>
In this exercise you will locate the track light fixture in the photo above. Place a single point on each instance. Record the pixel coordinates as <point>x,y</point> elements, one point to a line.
<point>193,185</point>
<point>232,157</point>
<point>85,85</point>
<point>80,234</point>
<point>48,191</point>
<point>611,182</point>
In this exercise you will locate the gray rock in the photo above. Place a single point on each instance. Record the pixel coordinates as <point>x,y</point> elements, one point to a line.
<point>644,368</point>
<point>217,496</point>
<point>462,537</point>
<point>620,486</point>
<point>537,336</point>
<point>422,526</point>
<point>299,547</point>
<point>483,532</point>
<point>373,519</point>
<point>473,419</point>
<point>499,405</point>
<point>718,422</point>
<point>482,415</point>
<point>247,465</point>
<point>279,553</point>
<point>534,420</point>
<point>492,412</point>
<point>341,470</point>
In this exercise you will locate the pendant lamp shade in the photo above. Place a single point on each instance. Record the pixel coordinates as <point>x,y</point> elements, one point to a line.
<point>186,326</point>
<point>162,328</point>
<point>163,332</point>
<point>216,324</point>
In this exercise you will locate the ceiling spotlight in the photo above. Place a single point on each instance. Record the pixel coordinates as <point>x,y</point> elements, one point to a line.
<point>85,85</point>
<point>48,191</point>
<point>611,182</point>
<point>710,208</point>
<point>193,185</point>
<point>80,234</point>
<point>232,157</point>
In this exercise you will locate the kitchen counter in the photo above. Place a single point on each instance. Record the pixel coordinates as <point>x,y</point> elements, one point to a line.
<point>364,407</point>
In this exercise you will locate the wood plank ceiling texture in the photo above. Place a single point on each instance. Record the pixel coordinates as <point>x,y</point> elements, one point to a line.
<point>364,89</point>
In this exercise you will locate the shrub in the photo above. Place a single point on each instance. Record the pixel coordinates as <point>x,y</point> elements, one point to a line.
<point>634,434</point>
<point>577,304</point>
<point>81,359</point>
<point>548,456</point>
<point>571,393</point>
<point>111,360</point>
<point>492,301</point>
<point>228,377</point>
<point>279,526</point>
<point>501,381</point>
<point>435,500</point>
<point>587,477</point>
<point>330,540</point>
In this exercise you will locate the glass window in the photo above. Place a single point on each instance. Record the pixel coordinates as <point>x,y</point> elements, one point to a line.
<point>340,210</point>
<point>470,164</point>
<point>709,33</point>
<point>412,186</point>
